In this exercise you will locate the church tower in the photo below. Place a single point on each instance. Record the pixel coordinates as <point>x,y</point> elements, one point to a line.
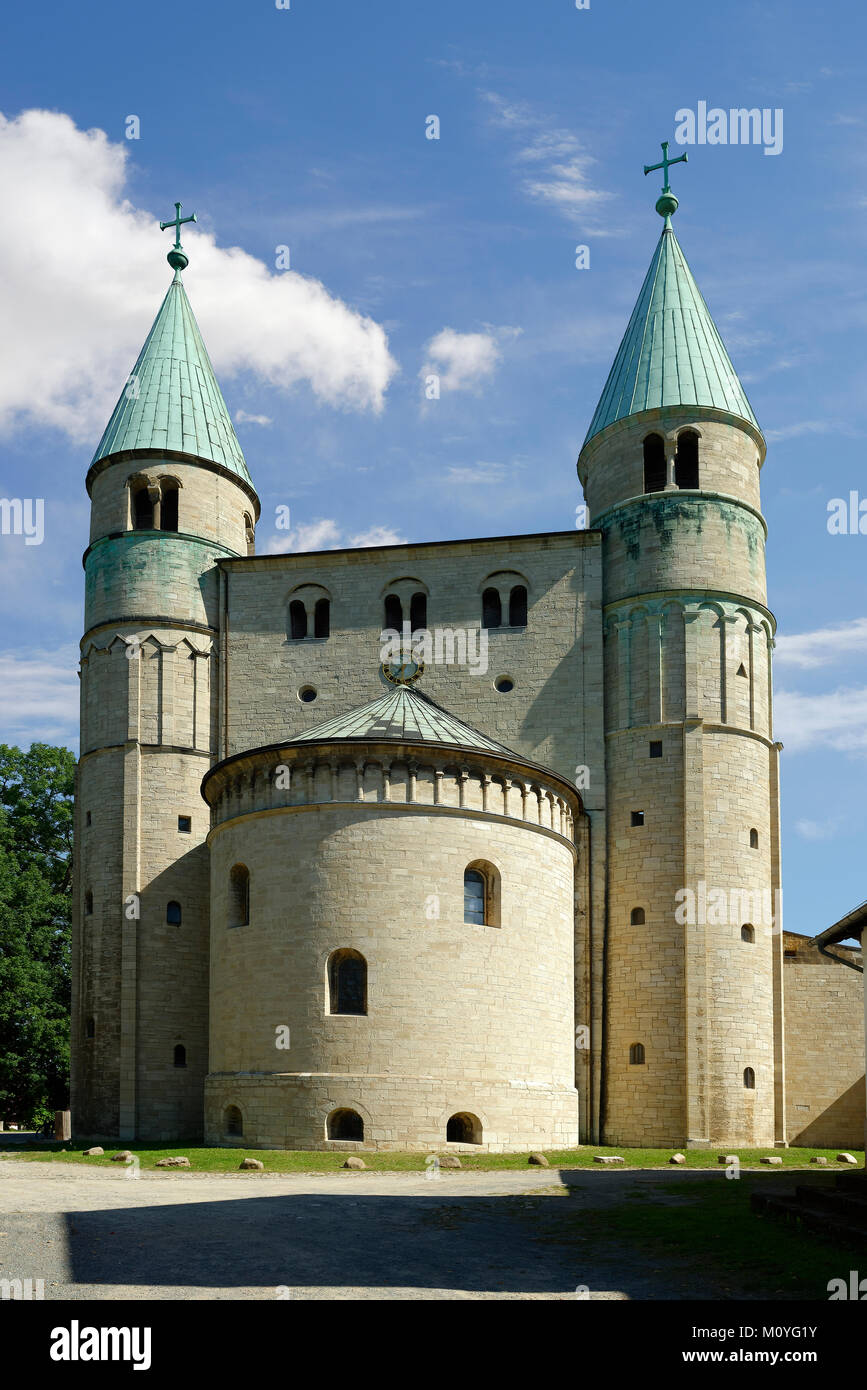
<point>170,496</point>
<point>692,1043</point>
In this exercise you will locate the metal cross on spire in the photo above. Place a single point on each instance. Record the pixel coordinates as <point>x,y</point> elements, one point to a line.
<point>666,204</point>
<point>176,258</point>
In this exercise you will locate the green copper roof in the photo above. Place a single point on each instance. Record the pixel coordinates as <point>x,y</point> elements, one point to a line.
<point>671,353</point>
<point>172,400</point>
<point>406,716</point>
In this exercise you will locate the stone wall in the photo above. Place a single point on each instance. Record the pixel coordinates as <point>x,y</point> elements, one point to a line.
<point>824,1009</point>
<point>461,1017</point>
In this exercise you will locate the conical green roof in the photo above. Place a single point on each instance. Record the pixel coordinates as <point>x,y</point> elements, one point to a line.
<point>405,716</point>
<point>671,353</point>
<point>172,400</point>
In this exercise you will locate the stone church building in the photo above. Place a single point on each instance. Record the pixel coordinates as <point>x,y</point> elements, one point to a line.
<point>327,900</point>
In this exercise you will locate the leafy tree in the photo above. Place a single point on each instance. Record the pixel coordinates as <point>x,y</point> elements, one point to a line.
<point>36,791</point>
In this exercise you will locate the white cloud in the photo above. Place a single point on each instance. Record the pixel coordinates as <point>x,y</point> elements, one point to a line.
<point>833,719</point>
<point>476,474</point>
<point>822,647</point>
<point>462,361</point>
<point>803,427</point>
<point>564,166</point>
<point>816,829</point>
<point>325,534</point>
<point>82,272</point>
<point>242,418</point>
<point>377,535</point>
<point>39,696</point>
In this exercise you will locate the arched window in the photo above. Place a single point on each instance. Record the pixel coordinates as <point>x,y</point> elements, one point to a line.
<point>464,1128</point>
<point>636,917</point>
<point>322,618</point>
<point>347,983</point>
<point>474,897</point>
<point>250,533</point>
<point>492,609</point>
<point>345,1124</point>
<point>748,932</point>
<point>233,1121</point>
<point>754,839</point>
<point>239,896</point>
<point>482,894</point>
<point>654,463</point>
<point>88,903</point>
<point>518,606</point>
<point>173,914</point>
<point>90,1029</point>
<point>169,507</point>
<point>142,510</point>
<point>180,1055</point>
<point>749,1078</point>
<point>636,1055</point>
<point>686,459</point>
<point>297,619</point>
<point>393,612</point>
<point>418,612</point>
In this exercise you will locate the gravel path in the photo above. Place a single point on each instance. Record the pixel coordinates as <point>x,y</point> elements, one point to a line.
<point>90,1233</point>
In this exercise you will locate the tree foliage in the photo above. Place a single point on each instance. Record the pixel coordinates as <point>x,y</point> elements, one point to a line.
<point>36,799</point>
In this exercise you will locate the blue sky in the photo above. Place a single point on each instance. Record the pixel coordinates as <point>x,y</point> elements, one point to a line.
<point>305,127</point>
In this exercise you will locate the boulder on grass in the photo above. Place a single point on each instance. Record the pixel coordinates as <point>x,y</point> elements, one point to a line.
<point>251,1165</point>
<point>95,1152</point>
<point>122,1156</point>
<point>449,1161</point>
<point>608,1158</point>
<point>353,1162</point>
<point>177,1162</point>
<point>848,1158</point>
<point>822,1162</point>
<point>677,1158</point>
<point>773,1159</point>
<point>727,1158</point>
<point>538,1161</point>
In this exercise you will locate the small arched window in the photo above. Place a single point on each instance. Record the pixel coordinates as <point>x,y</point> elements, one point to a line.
<point>88,903</point>
<point>322,618</point>
<point>239,896</point>
<point>492,609</point>
<point>393,612</point>
<point>297,619</point>
<point>518,606</point>
<point>142,510</point>
<point>418,612</point>
<point>636,1055</point>
<point>169,507</point>
<point>464,1128</point>
<point>748,932</point>
<point>636,917</point>
<point>173,914</point>
<point>749,1078</point>
<point>250,533</point>
<point>474,897</point>
<point>345,1124</point>
<point>233,1121</point>
<point>347,983</point>
<point>686,459</point>
<point>90,1028</point>
<point>754,839</point>
<point>482,894</point>
<point>180,1055</point>
<point>654,463</point>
